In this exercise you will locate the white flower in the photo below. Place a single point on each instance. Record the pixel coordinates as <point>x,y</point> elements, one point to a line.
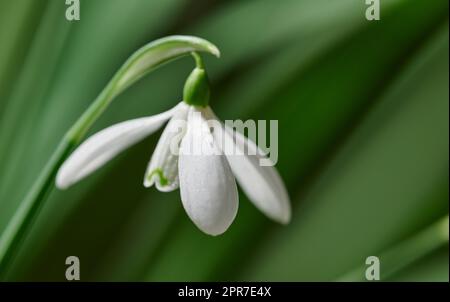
<point>206,180</point>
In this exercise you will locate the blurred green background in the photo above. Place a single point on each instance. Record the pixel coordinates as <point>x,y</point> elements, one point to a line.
<point>363,117</point>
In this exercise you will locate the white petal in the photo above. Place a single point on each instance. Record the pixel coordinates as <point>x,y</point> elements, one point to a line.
<point>262,184</point>
<point>163,166</point>
<point>104,145</point>
<point>207,186</point>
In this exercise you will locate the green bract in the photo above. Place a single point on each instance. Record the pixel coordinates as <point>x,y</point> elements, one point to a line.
<point>196,89</point>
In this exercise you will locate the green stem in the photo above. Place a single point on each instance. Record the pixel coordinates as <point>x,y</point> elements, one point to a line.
<point>406,252</point>
<point>143,61</point>
<point>198,60</point>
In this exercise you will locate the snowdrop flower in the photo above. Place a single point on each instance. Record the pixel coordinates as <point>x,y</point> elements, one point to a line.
<point>207,180</point>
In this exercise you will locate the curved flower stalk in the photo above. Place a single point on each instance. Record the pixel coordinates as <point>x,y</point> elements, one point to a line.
<point>191,157</point>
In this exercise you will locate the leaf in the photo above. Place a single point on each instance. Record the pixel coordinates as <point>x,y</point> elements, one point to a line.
<point>432,268</point>
<point>406,252</point>
<point>17,21</point>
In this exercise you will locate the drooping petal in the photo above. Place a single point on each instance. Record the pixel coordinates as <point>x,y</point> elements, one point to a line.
<point>207,186</point>
<point>262,184</point>
<point>162,169</point>
<point>104,145</point>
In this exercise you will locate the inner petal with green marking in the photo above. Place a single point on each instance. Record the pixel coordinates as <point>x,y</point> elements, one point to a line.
<point>163,167</point>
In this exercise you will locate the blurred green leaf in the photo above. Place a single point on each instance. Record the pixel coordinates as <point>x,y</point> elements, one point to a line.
<point>379,183</point>
<point>433,268</point>
<point>406,253</point>
<point>17,22</point>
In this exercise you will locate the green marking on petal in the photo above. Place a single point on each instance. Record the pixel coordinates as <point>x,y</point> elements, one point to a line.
<point>162,179</point>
